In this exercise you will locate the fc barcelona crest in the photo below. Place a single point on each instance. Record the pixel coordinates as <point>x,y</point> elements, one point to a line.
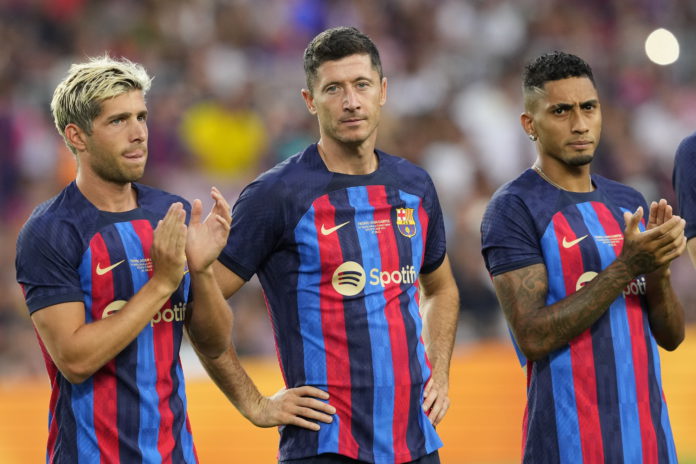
<point>405,222</point>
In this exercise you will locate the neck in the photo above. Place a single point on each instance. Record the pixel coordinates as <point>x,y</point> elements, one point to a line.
<point>107,196</point>
<point>347,159</point>
<point>564,177</point>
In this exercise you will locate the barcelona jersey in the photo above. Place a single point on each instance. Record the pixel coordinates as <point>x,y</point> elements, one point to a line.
<point>598,399</point>
<point>133,409</point>
<point>338,257</point>
<point>684,181</point>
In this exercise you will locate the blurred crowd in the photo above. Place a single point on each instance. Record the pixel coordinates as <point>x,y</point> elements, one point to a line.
<point>225,105</point>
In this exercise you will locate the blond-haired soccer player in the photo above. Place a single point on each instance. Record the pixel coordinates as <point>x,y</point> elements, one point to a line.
<point>103,266</point>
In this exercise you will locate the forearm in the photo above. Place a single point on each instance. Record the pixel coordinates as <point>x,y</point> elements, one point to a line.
<point>665,312</point>
<point>540,329</point>
<point>231,378</point>
<point>440,314</point>
<point>81,352</point>
<point>210,323</point>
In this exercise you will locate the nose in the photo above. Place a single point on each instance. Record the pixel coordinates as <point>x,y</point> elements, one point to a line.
<point>579,124</point>
<point>138,131</point>
<point>351,101</point>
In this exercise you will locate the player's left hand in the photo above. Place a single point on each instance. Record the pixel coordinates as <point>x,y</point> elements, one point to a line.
<point>205,240</point>
<point>435,399</point>
<point>660,212</point>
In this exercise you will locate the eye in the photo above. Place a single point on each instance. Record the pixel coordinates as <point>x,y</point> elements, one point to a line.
<point>331,89</point>
<point>588,106</point>
<point>142,117</point>
<point>363,85</point>
<point>559,110</point>
<point>117,121</point>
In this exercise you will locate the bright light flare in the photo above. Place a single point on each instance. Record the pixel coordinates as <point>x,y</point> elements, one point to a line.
<point>662,47</point>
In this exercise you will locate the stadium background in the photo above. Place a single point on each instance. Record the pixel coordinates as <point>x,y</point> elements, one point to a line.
<point>225,105</point>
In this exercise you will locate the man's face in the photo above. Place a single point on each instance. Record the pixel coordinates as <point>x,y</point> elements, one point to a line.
<point>567,120</point>
<point>116,151</point>
<point>347,98</point>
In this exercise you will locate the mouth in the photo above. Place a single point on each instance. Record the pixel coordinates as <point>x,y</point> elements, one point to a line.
<point>581,144</point>
<point>352,120</point>
<point>135,155</point>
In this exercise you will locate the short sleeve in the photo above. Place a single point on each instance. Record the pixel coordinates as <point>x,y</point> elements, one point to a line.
<point>48,256</point>
<point>684,182</point>
<point>257,225</point>
<point>435,242</point>
<point>508,236</point>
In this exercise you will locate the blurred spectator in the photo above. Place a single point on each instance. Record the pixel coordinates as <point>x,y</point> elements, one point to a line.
<point>227,106</point>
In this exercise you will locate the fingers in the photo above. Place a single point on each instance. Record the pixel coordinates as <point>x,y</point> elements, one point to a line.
<point>661,211</point>
<point>196,211</point>
<point>632,220</point>
<point>221,206</point>
<point>435,403</point>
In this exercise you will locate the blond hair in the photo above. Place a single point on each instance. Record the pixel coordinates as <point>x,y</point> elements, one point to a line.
<point>78,97</point>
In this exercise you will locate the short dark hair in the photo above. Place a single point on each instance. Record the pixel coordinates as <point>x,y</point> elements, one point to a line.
<point>337,43</point>
<point>554,66</point>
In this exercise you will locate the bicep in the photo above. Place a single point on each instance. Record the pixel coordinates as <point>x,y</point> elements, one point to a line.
<point>439,280</point>
<point>228,281</point>
<point>56,324</point>
<point>520,292</point>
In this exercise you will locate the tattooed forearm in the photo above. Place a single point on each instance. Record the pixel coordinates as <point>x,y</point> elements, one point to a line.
<point>665,312</point>
<point>540,329</point>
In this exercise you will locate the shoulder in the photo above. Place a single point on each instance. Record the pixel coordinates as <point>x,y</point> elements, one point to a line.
<point>59,222</point>
<point>155,199</point>
<point>622,194</point>
<point>686,151</point>
<point>527,189</point>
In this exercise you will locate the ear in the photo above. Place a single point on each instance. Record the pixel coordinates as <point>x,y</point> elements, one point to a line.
<point>309,101</point>
<point>383,92</point>
<point>76,136</point>
<point>527,122</point>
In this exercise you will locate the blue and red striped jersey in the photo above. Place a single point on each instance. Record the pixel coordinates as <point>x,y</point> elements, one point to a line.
<point>338,257</point>
<point>684,182</point>
<point>598,399</point>
<point>133,410</point>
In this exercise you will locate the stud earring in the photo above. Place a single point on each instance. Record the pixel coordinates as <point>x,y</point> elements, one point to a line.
<point>532,137</point>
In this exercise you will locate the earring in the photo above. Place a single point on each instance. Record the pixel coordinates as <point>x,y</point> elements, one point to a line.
<point>532,137</point>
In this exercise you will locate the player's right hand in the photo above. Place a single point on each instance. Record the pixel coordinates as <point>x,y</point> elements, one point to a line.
<point>168,248</point>
<point>644,252</point>
<point>295,406</point>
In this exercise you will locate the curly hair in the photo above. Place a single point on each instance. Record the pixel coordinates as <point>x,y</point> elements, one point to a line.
<point>552,67</point>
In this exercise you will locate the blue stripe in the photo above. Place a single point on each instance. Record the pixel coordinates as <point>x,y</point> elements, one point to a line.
<point>82,397</point>
<point>146,369</point>
<point>308,303</point>
<point>432,440</point>
<point>621,340</point>
<point>383,369</point>
<point>185,436</point>
<point>567,427</point>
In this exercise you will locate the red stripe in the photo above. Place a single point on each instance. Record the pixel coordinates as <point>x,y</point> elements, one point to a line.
<point>397,332</point>
<point>334,327</point>
<point>104,386</point>
<point>639,348</point>
<point>581,354</point>
<point>163,341</point>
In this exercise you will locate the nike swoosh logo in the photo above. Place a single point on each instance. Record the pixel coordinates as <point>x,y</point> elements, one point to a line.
<point>567,244</point>
<point>102,271</point>
<point>325,231</point>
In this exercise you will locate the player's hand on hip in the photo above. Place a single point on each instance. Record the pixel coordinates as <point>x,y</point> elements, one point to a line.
<point>300,406</point>
<point>645,252</point>
<point>168,248</point>
<point>435,399</point>
<point>206,239</point>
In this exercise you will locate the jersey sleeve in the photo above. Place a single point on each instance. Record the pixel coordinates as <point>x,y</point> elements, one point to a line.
<point>257,225</point>
<point>435,242</point>
<point>48,256</point>
<point>684,182</point>
<point>508,236</point>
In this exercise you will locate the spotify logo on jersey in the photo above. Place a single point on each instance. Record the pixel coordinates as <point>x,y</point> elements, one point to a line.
<point>349,278</point>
